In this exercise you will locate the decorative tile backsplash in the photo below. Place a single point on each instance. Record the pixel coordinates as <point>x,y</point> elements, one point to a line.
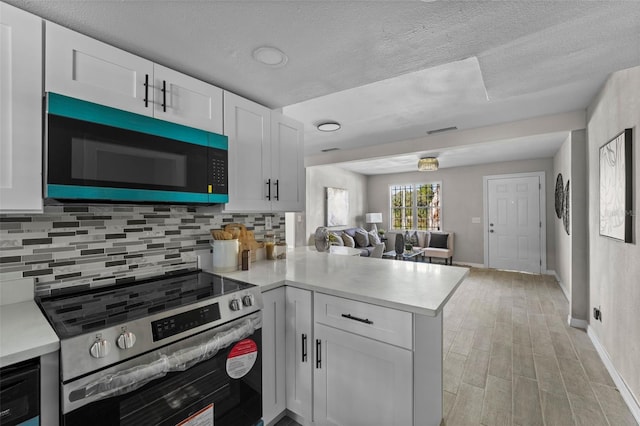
<point>74,247</point>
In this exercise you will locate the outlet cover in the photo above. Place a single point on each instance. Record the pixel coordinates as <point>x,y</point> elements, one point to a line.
<point>475,220</point>
<point>267,223</point>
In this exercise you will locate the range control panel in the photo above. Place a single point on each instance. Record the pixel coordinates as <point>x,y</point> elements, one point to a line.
<point>169,326</point>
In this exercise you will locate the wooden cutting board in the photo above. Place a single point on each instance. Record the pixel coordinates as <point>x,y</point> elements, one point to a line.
<point>246,240</point>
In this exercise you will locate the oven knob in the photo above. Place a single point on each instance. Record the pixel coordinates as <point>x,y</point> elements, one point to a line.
<point>235,305</point>
<point>247,300</point>
<point>100,348</point>
<point>126,340</point>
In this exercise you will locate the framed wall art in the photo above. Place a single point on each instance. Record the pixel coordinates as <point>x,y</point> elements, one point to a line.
<point>616,187</point>
<point>337,206</point>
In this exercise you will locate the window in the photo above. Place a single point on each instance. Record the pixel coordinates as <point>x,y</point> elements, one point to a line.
<point>416,206</point>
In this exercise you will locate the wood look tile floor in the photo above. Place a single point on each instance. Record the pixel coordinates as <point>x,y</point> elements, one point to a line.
<point>511,359</point>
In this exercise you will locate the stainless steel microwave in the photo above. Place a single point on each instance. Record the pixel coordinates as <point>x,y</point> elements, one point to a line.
<point>98,153</point>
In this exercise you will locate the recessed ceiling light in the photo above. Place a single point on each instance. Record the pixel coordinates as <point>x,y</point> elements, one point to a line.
<point>270,56</point>
<point>329,126</point>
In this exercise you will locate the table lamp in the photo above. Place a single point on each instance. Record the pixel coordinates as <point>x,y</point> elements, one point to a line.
<point>373,218</point>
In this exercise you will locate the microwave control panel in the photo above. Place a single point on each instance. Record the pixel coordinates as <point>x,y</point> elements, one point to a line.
<point>218,171</point>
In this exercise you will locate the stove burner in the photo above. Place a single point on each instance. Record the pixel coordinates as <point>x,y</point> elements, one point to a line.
<point>72,315</point>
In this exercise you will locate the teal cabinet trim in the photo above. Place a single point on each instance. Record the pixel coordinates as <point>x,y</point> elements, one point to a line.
<point>88,111</point>
<point>121,194</point>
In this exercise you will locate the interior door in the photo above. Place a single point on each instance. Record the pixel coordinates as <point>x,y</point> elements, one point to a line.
<point>514,223</point>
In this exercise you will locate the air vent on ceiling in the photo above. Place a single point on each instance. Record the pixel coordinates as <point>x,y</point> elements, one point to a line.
<point>330,149</point>
<point>444,129</point>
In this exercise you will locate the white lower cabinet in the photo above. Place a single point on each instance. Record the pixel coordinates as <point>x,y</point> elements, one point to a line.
<point>359,377</point>
<point>299,352</point>
<point>273,357</point>
<point>352,363</point>
<point>360,381</point>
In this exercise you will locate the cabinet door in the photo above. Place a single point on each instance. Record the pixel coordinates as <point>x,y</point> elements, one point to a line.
<point>299,351</point>
<point>287,163</point>
<point>360,381</point>
<point>273,357</point>
<point>185,100</point>
<point>85,68</point>
<point>20,111</point>
<point>248,126</point>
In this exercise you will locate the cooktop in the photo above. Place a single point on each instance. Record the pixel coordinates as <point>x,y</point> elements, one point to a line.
<point>74,314</point>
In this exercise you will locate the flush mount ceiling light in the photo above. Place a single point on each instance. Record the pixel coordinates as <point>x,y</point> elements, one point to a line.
<point>329,126</point>
<point>428,164</point>
<point>270,56</point>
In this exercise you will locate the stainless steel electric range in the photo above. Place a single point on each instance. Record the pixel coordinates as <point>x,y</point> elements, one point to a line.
<point>182,349</point>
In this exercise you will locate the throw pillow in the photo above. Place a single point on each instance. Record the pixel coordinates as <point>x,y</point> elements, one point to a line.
<point>362,237</point>
<point>438,240</point>
<point>348,240</point>
<point>374,238</point>
<point>336,239</point>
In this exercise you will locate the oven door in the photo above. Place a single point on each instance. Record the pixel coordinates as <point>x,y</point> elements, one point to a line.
<point>181,384</point>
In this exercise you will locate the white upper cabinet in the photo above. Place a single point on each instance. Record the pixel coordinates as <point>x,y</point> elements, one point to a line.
<point>20,111</point>
<point>287,163</point>
<point>84,68</point>
<point>81,67</point>
<point>185,100</point>
<point>248,126</point>
<point>266,171</point>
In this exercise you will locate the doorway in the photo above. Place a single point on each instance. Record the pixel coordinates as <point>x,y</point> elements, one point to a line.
<point>515,228</point>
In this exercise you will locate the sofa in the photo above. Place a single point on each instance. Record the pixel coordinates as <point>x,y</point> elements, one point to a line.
<point>356,237</point>
<point>438,244</point>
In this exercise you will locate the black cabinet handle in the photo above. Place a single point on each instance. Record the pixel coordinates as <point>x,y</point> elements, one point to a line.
<point>269,189</point>
<point>277,189</point>
<point>304,347</point>
<point>318,357</point>
<point>164,95</point>
<point>351,317</point>
<point>146,90</point>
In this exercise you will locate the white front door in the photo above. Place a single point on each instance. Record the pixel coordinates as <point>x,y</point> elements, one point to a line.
<point>514,223</point>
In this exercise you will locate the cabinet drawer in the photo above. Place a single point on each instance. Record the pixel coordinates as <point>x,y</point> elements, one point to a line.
<point>376,322</point>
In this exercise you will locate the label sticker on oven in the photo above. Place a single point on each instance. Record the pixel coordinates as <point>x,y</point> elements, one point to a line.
<point>203,417</point>
<point>241,358</point>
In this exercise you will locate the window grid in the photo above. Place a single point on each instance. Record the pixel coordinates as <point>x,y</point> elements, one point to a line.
<point>416,207</point>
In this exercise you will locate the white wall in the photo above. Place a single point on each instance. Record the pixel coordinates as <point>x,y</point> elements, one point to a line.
<point>562,165</point>
<point>614,267</point>
<point>572,249</point>
<point>321,177</point>
<point>462,200</point>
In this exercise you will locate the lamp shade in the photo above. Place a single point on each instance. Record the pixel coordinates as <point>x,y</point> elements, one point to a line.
<point>373,217</point>
<point>428,164</point>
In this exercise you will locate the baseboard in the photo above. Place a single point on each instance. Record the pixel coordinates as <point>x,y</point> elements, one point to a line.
<point>562,287</point>
<point>626,394</point>
<point>577,323</point>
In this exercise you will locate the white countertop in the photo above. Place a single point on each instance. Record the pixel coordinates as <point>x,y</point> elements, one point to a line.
<point>417,287</point>
<point>24,333</point>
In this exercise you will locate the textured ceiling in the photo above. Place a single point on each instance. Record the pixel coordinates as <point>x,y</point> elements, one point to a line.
<point>530,58</point>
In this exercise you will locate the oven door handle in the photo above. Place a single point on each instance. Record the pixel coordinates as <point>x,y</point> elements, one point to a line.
<point>125,381</point>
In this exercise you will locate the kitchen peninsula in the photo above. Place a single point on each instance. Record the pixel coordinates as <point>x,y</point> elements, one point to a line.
<point>350,340</point>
